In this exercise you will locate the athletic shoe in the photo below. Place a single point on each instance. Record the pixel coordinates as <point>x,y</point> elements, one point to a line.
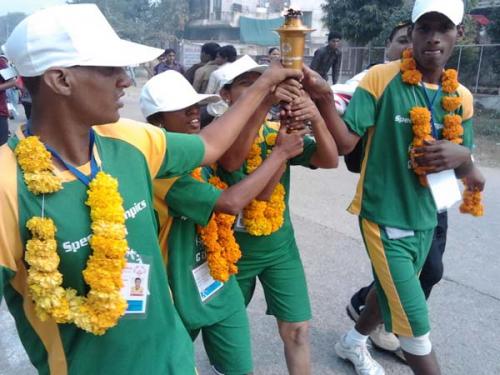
<point>360,357</point>
<point>381,339</point>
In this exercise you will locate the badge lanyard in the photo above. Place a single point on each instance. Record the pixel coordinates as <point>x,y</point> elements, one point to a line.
<point>94,168</point>
<point>430,105</point>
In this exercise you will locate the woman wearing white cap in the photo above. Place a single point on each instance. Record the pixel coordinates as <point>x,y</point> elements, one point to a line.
<point>413,104</point>
<point>208,300</point>
<point>77,225</point>
<point>264,230</point>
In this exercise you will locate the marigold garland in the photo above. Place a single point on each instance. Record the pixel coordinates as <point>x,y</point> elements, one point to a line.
<point>452,124</point>
<point>103,305</point>
<point>262,218</point>
<point>223,252</point>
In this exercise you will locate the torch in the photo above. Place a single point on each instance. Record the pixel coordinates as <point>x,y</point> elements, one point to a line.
<point>293,39</point>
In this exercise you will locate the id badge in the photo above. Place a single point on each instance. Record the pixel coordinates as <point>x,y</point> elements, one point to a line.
<point>135,289</point>
<point>205,283</point>
<point>239,225</point>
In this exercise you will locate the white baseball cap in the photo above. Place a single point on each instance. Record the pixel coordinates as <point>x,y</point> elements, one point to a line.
<point>70,35</point>
<point>453,9</point>
<point>244,64</point>
<point>170,91</point>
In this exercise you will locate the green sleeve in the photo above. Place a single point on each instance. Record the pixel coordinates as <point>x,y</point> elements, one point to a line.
<point>6,275</point>
<point>468,134</point>
<point>304,159</point>
<point>193,199</point>
<point>361,112</point>
<point>184,153</point>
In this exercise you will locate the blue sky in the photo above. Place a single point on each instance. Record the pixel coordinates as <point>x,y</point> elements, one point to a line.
<point>26,6</point>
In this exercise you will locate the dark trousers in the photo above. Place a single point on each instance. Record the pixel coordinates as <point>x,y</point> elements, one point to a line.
<point>4,129</point>
<point>432,272</point>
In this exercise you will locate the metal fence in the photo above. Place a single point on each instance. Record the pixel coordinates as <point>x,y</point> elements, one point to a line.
<point>478,65</point>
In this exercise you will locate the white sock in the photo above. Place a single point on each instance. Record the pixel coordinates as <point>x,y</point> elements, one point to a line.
<point>353,337</point>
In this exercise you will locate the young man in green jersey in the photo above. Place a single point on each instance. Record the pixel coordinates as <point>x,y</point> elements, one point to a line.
<point>274,258</point>
<point>215,308</point>
<point>72,62</point>
<point>397,214</point>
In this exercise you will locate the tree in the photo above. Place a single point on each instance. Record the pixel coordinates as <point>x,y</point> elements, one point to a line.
<point>145,21</point>
<point>361,21</point>
<point>493,28</point>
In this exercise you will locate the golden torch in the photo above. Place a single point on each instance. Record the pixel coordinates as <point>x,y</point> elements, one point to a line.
<point>293,39</point>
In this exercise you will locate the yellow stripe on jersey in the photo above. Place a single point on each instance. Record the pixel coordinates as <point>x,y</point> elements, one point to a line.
<point>148,139</point>
<point>161,188</point>
<point>467,102</point>
<point>47,332</point>
<point>378,78</point>
<point>11,246</point>
<point>355,206</point>
<point>375,247</point>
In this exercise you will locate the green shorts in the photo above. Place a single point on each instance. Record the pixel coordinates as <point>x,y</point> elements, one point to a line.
<point>396,266</point>
<point>281,274</point>
<point>228,344</point>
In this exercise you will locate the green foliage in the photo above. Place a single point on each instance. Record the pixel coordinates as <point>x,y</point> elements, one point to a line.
<point>145,21</point>
<point>361,21</point>
<point>494,27</point>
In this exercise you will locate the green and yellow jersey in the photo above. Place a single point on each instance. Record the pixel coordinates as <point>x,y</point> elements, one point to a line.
<point>133,153</point>
<point>200,300</point>
<point>283,236</point>
<point>388,191</point>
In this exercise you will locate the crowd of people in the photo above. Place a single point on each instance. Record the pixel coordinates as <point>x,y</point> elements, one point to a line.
<point>118,236</point>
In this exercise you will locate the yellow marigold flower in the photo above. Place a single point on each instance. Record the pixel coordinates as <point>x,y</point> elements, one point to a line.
<point>46,280</point>
<point>412,77</point>
<point>42,228</point>
<point>42,182</point>
<point>271,139</point>
<point>110,230</point>
<point>451,103</point>
<point>111,214</point>
<point>45,264</point>
<point>108,247</point>
<point>32,155</point>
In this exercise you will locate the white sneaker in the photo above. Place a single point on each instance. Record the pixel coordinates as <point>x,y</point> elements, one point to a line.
<point>384,340</point>
<point>360,357</point>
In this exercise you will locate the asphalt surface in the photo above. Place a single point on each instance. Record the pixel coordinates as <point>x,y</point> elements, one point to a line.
<point>464,306</point>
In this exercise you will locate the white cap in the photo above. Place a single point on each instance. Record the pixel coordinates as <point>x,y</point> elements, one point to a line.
<point>170,91</point>
<point>453,9</point>
<point>70,35</point>
<point>244,64</point>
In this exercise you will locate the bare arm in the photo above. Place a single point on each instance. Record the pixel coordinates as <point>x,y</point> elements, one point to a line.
<point>320,91</point>
<point>7,84</point>
<point>241,122</point>
<point>326,154</point>
<point>236,197</point>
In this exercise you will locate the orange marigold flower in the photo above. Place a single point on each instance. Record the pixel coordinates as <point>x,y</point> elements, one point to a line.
<point>408,53</point>
<point>450,81</point>
<point>451,103</point>
<point>412,77</point>
<point>408,64</point>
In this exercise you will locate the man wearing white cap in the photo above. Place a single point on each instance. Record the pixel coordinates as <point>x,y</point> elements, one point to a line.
<point>264,229</point>
<point>77,225</point>
<point>208,302</point>
<point>395,105</point>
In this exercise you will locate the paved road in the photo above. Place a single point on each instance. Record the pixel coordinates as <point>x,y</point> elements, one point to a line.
<point>464,306</point>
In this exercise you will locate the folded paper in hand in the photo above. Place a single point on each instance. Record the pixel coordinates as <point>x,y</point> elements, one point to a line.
<point>444,189</point>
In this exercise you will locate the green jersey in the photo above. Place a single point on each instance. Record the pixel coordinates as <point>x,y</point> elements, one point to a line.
<point>151,340</point>
<point>200,300</point>
<point>389,192</point>
<point>283,236</point>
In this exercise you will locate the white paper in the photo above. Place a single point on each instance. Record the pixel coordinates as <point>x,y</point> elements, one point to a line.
<point>205,283</point>
<point>396,233</point>
<point>444,189</point>
<point>8,73</point>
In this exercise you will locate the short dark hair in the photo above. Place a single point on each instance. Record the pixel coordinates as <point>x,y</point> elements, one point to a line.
<point>169,50</point>
<point>228,52</point>
<point>272,49</point>
<point>334,35</point>
<point>398,27</point>
<point>211,49</point>
<point>155,119</point>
